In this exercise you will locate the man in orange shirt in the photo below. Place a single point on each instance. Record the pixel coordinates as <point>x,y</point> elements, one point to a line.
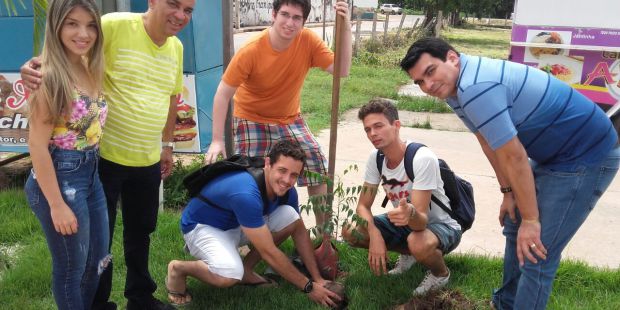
<point>266,77</point>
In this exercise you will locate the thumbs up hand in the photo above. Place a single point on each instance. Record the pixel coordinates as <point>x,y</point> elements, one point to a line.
<point>401,215</point>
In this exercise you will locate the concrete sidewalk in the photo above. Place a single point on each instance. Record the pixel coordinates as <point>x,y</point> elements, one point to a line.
<point>595,243</point>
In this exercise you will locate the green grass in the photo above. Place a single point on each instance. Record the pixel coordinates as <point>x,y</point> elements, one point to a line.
<point>26,283</point>
<point>480,41</point>
<point>17,218</point>
<point>422,104</point>
<point>363,84</point>
<point>424,125</point>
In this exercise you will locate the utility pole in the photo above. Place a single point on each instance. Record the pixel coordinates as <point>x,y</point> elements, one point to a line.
<point>229,50</point>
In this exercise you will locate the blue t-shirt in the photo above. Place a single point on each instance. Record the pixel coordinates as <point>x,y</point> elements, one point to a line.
<point>239,201</point>
<point>558,126</point>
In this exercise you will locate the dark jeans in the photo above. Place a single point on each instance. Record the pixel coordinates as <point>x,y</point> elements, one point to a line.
<point>138,189</point>
<point>565,199</point>
<point>77,259</point>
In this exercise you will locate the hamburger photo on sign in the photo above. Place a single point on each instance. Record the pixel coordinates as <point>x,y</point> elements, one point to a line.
<point>185,127</point>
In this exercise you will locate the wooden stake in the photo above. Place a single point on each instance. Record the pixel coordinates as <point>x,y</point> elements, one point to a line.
<point>385,28</point>
<point>358,28</point>
<point>228,45</point>
<point>400,26</point>
<point>374,25</point>
<point>333,130</point>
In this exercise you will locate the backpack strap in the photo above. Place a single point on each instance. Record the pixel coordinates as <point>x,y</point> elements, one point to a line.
<point>443,207</point>
<point>379,160</point>
<point>259,177</point>
<point>412,149</point>
<point>206,200</point>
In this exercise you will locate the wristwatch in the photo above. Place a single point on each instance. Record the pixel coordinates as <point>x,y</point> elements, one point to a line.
<point>308,287</point>
<point>167,144</point>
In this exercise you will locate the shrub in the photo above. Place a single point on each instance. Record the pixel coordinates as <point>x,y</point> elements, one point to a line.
<point>342,206</point>
<point>175,194</point>
<point>385,53</point>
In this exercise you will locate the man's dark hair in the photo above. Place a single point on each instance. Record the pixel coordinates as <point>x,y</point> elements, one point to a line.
<point>288,149</point>
<point>436,47</point>
<point>379,105</point>
<point>304,4</point>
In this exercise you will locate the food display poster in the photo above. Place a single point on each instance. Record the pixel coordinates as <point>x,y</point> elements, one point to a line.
<point>576,60</point>
<point>186,128</point>
<point>14,116</point>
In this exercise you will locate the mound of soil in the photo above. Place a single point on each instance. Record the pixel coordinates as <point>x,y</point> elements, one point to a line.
<point>14,174</point>
<point>437,300</point>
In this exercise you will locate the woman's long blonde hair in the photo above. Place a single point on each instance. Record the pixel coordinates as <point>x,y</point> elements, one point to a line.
<point>57,87</point>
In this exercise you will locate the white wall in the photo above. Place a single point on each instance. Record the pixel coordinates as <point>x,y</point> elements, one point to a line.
<point>569,13</point>
<point>366,3</point>
<point>259,12</point>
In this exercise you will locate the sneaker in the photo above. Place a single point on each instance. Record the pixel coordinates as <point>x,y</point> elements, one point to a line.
<point>431,283</point>
<point>148,303</point>
<point>403,264</point>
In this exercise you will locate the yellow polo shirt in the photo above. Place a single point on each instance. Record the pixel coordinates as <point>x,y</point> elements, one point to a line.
<point>139,79</point>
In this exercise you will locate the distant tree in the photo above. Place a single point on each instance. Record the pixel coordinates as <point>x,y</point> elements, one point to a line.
<point>488,8</point>
<point>452,10</point>
<point>10,6</point>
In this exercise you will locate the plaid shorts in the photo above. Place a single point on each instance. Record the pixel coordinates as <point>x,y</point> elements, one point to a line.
<point>256,139</point>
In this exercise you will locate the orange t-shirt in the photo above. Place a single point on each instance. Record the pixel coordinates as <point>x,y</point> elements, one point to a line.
<point>269,82</point>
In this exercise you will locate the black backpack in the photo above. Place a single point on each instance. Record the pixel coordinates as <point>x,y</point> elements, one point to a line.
<point>195,181</point>
<point>459,191</point>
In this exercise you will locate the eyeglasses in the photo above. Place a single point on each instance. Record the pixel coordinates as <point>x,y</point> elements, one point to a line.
<point>296,18</point>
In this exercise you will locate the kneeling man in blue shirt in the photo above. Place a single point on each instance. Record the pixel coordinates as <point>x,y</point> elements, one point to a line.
<point>213,234</point>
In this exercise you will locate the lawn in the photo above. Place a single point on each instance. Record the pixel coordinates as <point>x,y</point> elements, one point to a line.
<point>25,274</point>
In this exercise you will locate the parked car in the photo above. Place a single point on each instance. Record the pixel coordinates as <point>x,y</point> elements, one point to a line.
<point>388,8</point>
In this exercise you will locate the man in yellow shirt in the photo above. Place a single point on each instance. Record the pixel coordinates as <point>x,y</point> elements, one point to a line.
<point>266,77</point>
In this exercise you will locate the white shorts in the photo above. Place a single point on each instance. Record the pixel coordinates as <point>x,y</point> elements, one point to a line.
<point>219,249</point>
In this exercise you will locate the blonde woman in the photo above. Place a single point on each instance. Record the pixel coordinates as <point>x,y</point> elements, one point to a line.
<point>67,114</point>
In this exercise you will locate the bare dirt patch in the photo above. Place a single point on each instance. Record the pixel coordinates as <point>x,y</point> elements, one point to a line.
<point>14,174</point>
<point>439,300</point>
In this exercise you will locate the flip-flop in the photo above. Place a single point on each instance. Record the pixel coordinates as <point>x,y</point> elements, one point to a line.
<point>183,295</point>
<point>267,283</point>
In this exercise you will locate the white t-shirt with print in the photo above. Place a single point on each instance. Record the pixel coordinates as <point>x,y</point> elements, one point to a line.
<point>397,185</point>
